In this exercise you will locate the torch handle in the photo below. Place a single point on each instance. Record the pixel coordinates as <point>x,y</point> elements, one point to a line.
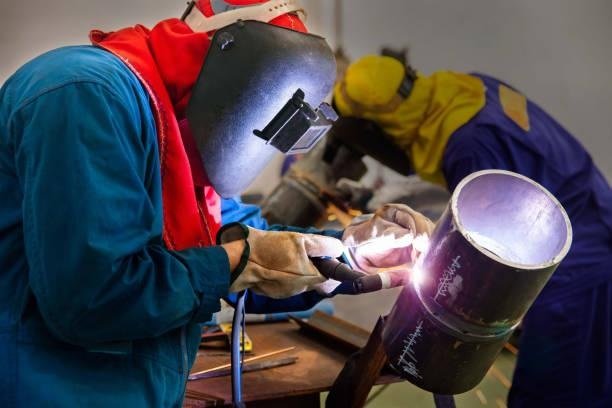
<point>333,269</point>
<point>361,282</point>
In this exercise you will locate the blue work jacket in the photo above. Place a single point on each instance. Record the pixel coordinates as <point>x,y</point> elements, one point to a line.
<point>565,357</point>
<point>94,310</point>
<point>550,155</point>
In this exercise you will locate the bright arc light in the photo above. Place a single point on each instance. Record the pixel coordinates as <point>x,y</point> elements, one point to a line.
<point>421,243</point>
<point>418,275</point>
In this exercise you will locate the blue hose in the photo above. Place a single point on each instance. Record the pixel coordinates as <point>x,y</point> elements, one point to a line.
<point>237,354</point>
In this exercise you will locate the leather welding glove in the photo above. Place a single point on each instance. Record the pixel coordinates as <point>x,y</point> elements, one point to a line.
<point>276,263</point>
<point>391,237</point>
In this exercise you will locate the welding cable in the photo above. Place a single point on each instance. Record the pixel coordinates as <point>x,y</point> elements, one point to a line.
<point>237,353</point>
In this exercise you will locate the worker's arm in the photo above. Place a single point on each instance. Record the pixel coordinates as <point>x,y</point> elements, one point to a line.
<point>92,222</point>
<point>477,148</point>
<point>233,210</point>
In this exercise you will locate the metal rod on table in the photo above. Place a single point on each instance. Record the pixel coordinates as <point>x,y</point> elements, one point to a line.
<point>248,367</point>
<point>246,360</point>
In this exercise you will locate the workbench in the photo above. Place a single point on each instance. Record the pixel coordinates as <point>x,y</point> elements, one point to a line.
<point>296,386</point>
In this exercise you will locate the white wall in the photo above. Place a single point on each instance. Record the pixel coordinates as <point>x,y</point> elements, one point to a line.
<point>34,26</point>
<point>559,52</point>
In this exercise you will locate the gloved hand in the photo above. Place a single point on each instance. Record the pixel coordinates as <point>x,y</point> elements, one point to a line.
<point>276,263</point>
<point>355,193</point>
<point>392,237</point>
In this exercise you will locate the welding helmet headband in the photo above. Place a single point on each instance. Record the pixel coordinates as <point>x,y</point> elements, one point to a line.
<point>260,91</point>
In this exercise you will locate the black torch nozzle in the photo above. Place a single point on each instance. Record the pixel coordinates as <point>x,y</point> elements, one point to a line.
<point>367,284</point>
<point>358,282</point>
<point>334,269</point>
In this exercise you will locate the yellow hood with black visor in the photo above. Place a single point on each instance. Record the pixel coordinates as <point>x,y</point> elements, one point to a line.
<point>419,113</point>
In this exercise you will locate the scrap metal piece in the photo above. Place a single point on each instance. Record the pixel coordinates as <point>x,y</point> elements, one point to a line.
<point>248,367</point>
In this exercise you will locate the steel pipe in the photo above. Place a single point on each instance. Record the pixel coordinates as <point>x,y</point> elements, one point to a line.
<point>499,240</point>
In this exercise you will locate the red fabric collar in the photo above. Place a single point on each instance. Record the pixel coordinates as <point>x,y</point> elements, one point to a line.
<point>167,60</point>
<point>179,54</point>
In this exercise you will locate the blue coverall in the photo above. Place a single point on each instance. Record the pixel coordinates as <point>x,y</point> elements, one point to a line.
<point>565,357</point>
<point>94,310</point>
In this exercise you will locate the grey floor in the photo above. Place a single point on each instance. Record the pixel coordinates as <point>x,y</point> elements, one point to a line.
<point>363,310</point>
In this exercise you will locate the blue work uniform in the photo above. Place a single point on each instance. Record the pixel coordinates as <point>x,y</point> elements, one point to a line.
<point>94,310</point>
<point>565,356</point>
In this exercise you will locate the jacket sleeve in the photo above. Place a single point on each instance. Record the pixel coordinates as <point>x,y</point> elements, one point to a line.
<point>92,222</point>
<point>475,149</point>
<point>234,210</point>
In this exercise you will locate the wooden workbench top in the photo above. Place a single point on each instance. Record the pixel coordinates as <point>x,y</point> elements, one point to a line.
<point>319,362</point>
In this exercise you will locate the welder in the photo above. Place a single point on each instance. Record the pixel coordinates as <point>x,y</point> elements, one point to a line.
<point>114,159</point>
<point>451,124</point>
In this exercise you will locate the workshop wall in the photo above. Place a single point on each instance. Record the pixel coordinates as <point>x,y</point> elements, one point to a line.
<point>557,51</point>
<point>34,26</point>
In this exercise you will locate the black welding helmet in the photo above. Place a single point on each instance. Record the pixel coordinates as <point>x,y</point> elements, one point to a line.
<point>260,91</point>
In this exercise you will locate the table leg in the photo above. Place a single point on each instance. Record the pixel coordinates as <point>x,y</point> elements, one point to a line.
<point>444,401</point>
<point>359,374</point>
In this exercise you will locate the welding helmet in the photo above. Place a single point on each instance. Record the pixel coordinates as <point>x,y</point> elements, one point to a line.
<point>260,90</point>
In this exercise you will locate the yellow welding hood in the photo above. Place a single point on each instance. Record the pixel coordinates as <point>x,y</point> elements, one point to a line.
<point>370,85</point>
<point>420,123</point>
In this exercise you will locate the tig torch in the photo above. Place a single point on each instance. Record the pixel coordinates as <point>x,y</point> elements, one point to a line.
<point>354,282</point>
